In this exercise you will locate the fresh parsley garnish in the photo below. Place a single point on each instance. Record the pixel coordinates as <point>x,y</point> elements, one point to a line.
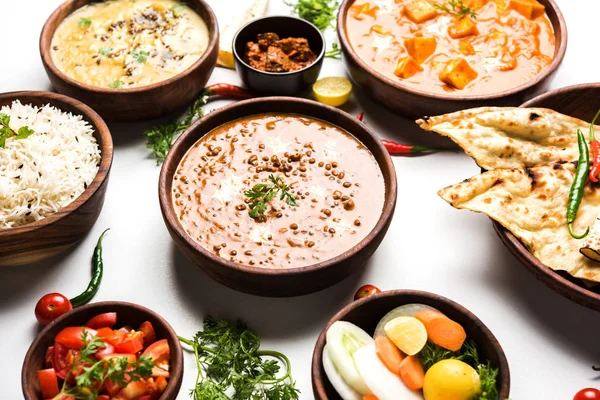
<point>85,22</point>
<point>116,84</point>
<point>263,193</point>
<point>335,52</point>
<point>140,55</point>
<point>7,132</point>
<point>93,373</point>
<point>105,51</point>
<point>229,358</point>
<point>319,12</point>
<point>458,8</point>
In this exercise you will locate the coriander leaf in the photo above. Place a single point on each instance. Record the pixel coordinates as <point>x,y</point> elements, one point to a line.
<point>116,84</point>
<point>319,12</point>
<point>262,193</point>
<point>140,56</point>
<point>178,8</point>
<point>105,51</point>
<point>85,22</point>
<point>335,52</point>
<point>487,378</point>
<point>4,119</point>
<point>24,132</point>
<point>459,9</point>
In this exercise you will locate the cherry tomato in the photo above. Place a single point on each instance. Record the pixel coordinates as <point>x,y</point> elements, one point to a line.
<point>106,320</point>
<point>50,307</point>
<point>587,394</point>
<point>71,336</point>
<point>366,291</point>
<point>149,335</point>
<point>63,359</point>
<point>48,383</point>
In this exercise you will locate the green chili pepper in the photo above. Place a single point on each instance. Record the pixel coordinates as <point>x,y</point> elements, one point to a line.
<point>97,270</point>
<point>576,193</point>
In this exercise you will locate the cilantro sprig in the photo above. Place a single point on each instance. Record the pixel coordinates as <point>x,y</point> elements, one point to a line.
<point>85,22</point>
<point>262,193</point>
<point>93,373</point>
<point>7,132</point>
<point>335,52</point>
<point>457,8</point>
<point>229,358</point>
<point>140,56</point>
<point>321,13</point>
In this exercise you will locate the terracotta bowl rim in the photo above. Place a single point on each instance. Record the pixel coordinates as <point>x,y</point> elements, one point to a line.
<point>560,50</point>
<point>106,156</point>
<point>503,367</point>
<point>515,243</point>
<point>177,356</point>
<point>169,213</point>
<point>240,59</point>
<point>48,33</point>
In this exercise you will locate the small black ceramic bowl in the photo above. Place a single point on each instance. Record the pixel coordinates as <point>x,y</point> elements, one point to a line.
<point>278,83</point>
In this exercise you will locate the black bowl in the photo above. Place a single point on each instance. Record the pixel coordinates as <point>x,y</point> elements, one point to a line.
<point>278,83</point>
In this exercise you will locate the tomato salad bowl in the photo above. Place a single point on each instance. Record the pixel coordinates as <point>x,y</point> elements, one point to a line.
<point>134,344</point>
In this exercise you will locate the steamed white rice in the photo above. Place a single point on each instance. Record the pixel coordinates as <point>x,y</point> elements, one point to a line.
<point>45,172</point>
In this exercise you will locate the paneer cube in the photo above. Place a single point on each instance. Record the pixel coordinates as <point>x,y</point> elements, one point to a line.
<point>420,48</point>
<point>466,47</point>
<point>458,73</point>
<point>528,8</point>
<point>364,9</point>
<point>475,4</point>
<point>420,11</point>
<point>463,27</point>
<point>407,67</point>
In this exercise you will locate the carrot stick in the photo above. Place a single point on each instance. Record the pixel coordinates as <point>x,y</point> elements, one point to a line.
<point>388,353</point>
<point>441,330</point>
<point>370,397</point>
<point>412,373</point>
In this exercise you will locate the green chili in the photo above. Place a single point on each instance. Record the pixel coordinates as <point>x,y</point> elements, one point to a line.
<point>97,270</point>
<point>578,186</point>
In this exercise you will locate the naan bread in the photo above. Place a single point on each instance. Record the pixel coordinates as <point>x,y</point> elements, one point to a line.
<point>532,204</point>
<point>509,137</point>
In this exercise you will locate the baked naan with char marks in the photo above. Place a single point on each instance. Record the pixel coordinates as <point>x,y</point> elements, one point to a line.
<point>532,204</point>
<point>507,137</point>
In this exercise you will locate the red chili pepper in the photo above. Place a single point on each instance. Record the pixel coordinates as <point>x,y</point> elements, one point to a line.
<point>595,146</point>
<point>398,149</point>
<point>360,116</point>
<point>227,90</point>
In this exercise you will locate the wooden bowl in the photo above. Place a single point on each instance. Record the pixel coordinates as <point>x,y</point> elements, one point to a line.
<point>415,103</point>
<point>289,281</point>
<point>139,103</point>
<point>47,237</point>
<point>367,312</point>
<point>580,101</point>
<point>127,314</point>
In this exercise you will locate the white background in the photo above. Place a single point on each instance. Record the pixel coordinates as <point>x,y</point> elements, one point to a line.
<point>550,342</point>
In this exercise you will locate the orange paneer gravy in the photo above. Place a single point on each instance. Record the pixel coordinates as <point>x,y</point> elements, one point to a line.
<point>430,46</point>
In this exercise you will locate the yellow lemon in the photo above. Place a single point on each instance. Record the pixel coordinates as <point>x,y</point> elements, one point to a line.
<point>407,333</point>
<point>333,91</point>
<point>451,380</point>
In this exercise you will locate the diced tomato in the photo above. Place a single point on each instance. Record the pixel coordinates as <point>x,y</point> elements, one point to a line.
<point>48,383</point>
<point>63,359</point>
<point>161,383</point>
<point>130,357</point>
<point>111,336</point>
<point>134,390</point>
<point>107,350</point>
<point>149,335</point>
<point>103,397</point>
<point>106,320</point>
<point>159,351</point>
<point>131,344</point>
<point>71,336</point>
<point>48,358</point>
<point>112,388</point>
<point>126,328</point>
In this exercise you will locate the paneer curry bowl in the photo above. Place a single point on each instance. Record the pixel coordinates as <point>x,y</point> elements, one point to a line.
<point>448,53</point>
<point>278,196</point>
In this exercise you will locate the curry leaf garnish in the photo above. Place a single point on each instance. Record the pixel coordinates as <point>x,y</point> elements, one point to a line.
<point>116,84</point>
<point>161,138</point>
<point>458,8</point>
<point>319,12</point>
<point>7,132</point>
<point>85,22</point>
<point>335,52</point>
<point>140,55</point>
<point>92,373</point>
<point>263,193</point>
<point>229,358</point>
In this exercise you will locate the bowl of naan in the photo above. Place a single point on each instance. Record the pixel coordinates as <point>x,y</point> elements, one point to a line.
<point>538,183</point>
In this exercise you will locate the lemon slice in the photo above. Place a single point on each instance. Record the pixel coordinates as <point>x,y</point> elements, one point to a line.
<point>408,333</point>
<point>333,91</point>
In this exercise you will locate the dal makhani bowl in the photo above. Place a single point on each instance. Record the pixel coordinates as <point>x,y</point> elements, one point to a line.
<point>122,56</point>
<point>278,203</point>
<point>424,57</point>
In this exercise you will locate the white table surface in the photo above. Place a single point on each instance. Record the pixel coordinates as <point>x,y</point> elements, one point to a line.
<point>550,342</point>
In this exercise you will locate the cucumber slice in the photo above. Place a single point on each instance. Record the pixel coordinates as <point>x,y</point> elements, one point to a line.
<point>338,383</point>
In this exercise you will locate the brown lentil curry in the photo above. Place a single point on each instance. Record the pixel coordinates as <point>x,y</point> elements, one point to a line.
<point>338,186</point>
<point>272,54</point>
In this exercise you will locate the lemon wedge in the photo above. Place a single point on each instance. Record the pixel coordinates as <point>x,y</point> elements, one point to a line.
<point>333,91</point>
<point>407,333</point>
